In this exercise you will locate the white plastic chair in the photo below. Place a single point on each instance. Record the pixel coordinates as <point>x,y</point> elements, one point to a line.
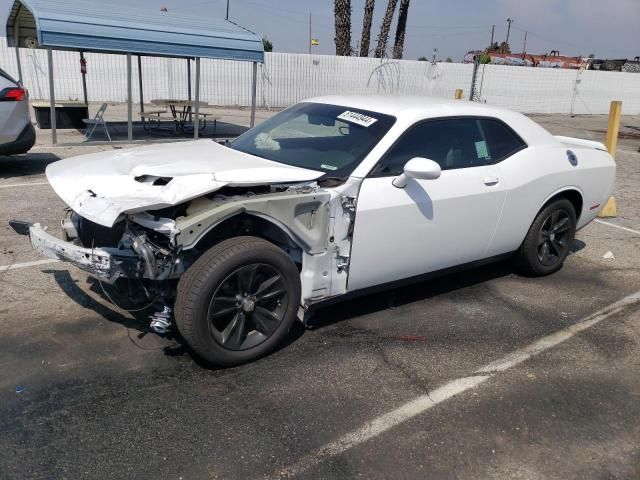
<point>95,121</point>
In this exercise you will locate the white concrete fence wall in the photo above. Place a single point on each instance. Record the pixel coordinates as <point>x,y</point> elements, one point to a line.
<point>287,78</point>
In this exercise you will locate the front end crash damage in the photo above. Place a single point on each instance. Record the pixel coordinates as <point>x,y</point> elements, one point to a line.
<point>158,246</point>
<point>133,256</point>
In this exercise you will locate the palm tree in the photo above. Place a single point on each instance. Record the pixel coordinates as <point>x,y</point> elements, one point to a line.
<point>398,47</point>
<point>366,28</point>
<point>342,11</point>
<point>384,29</point>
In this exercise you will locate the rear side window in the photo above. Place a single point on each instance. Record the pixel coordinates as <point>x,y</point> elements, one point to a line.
<point>502,142</point>
<point>453,143</point>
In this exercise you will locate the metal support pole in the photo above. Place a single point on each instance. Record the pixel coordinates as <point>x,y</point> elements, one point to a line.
<point>613,127</point>
<point>20,81</point>
<point>253,94</point>
<point>196,120</point>
<point>19,66</point>
<point>140,85</point>
<point>189,85</point>
<point>474,78</point>
<point>129,100</point>
<point>52,99</point>
<point>84,80</point>
<point>17,42</point>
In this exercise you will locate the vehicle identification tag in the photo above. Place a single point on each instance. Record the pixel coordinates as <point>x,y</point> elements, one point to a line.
<point>357,118</point>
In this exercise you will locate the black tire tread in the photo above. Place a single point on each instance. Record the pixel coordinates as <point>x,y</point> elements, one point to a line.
<point>191,284</point>
<point>522,258</point>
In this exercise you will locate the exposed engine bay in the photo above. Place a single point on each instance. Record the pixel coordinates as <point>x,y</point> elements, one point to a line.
<point>144,254</point>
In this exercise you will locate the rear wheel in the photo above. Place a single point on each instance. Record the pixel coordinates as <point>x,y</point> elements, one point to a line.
<point>549,239</point>
<point>238,301</point>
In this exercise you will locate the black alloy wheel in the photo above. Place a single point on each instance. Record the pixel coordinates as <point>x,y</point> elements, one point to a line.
<point>238,301</point>
<point>549,239</point>
<point>248,306</point>
<point>554,238</point>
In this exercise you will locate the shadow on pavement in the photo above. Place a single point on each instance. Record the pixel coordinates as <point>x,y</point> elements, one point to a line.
<point>399,296</point>
<point>27,164</point>
<point>119,132</point>
<point>139,320</point>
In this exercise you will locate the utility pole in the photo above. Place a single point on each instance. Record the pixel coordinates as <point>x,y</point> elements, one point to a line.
<point>227,17</point>
<point>310,37</point>
<point>493,29</point>
<point>509,21</point>
<point>524,48</point>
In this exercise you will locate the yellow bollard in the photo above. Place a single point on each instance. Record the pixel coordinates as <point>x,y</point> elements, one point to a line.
<point>611,142</point>
<point>458,95</point>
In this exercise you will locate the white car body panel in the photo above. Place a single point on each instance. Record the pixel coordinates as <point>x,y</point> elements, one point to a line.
<point>426,226</point>
<point>535,175</point>
<point>102,186</point>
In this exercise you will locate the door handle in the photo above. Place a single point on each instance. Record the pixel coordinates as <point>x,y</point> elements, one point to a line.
<point>491,180</point>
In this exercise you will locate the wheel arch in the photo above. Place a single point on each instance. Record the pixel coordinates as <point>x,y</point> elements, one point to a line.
<point>573,194</point>
<point>250,224</point>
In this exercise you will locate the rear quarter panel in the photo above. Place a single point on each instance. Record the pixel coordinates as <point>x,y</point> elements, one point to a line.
<point>537,174</point>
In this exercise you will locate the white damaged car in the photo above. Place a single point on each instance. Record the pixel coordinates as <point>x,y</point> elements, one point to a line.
<point>332,196</point>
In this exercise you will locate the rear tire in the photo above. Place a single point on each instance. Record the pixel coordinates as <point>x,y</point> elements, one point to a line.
<point>238,301</point>
<point>548,241</point>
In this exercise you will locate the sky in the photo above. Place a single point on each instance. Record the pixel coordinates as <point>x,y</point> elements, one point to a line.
<point>606,28</point>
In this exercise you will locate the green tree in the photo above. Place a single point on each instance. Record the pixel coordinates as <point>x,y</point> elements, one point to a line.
<point>398,47</point>
<point>342,12</point>
<point>592,55</point>
<point>266,43</point>
<point>366,28</point>
<point>423,59</point>
<point>449,60</point>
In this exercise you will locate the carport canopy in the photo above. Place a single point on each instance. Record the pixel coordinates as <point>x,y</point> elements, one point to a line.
<point>101,27</point>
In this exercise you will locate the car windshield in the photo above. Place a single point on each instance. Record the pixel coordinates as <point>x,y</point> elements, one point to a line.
<point>328,138</point>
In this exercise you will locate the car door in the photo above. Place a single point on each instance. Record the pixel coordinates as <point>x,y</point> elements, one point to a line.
<point>428,225</point>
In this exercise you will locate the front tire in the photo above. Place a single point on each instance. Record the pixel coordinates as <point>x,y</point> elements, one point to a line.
<point>549,240</point>
<point>238,301</point>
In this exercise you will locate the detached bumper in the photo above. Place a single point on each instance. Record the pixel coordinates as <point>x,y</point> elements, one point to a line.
<point>105,264</point>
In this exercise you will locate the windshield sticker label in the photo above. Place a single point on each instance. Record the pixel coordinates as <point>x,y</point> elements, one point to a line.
<point>481,149</point>
<point>357,118</point>
<point>328,167</point>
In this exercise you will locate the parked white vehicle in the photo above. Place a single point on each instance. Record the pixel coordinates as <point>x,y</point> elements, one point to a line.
<point>332,196</point>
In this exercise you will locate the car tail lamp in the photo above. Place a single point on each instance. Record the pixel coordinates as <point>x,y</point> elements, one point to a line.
<point>13,94</point>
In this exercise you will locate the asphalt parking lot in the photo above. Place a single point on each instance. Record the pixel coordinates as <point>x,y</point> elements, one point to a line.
<point>482,374</point>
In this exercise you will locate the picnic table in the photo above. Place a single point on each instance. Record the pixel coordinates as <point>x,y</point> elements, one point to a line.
<point>181,113</point>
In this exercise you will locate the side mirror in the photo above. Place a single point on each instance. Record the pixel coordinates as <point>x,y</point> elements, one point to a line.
<point>419,168</point>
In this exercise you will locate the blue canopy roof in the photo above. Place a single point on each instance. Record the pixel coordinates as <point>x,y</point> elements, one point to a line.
<point>100,26</point>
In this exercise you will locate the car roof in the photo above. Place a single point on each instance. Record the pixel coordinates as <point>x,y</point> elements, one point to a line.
<point>415,108</point>
<point>394,104</point>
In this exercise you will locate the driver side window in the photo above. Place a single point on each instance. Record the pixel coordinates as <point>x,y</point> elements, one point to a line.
<point>451,142</point>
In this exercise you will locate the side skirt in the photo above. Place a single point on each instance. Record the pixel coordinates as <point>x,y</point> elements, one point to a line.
<point>311,309</point>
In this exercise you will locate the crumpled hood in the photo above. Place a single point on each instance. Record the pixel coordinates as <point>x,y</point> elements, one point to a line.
<point>102,186</point>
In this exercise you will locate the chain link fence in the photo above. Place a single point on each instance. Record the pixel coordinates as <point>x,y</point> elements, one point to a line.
<point>285,79</point>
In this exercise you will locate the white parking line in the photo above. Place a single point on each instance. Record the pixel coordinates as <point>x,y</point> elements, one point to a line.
<point>16,185</point>
<point>16,266</point>
<point>630,230</point>
<point>423,403</point>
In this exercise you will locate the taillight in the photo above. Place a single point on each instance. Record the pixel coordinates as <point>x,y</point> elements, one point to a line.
<point>13,94</point>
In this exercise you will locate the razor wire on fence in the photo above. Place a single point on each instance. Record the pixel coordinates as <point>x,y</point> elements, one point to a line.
<point>285,79</point>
